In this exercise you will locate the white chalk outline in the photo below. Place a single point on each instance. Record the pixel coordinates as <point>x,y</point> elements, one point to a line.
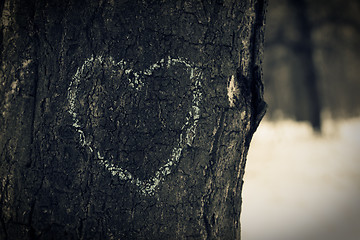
<point>147,186</point>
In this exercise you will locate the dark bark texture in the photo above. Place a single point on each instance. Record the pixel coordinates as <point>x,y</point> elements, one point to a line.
<point>127,119</point>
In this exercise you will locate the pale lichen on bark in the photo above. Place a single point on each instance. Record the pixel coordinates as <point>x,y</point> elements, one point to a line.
<point>233,91</point>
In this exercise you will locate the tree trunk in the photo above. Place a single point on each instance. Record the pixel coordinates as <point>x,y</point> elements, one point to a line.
<point>305,80</point>
<point>290,71</point>
<point>127,119</point>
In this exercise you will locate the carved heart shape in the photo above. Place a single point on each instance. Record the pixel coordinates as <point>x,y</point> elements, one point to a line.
<point>140,120</point>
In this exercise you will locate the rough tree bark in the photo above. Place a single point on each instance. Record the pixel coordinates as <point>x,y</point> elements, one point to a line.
<point>127,119</point>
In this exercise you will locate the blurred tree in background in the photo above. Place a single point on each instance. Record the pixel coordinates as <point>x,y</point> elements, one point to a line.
<point>311,59</point>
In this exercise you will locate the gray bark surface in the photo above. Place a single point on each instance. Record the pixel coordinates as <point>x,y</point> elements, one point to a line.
<point>127,119</point>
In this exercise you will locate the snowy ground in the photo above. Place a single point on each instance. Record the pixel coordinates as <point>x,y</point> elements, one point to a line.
<point>301,186</point>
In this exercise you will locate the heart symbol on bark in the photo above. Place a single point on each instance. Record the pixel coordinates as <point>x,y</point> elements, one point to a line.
<point>136,122</point>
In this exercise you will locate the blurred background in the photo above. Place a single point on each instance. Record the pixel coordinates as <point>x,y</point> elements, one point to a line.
<point>302,176</point>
